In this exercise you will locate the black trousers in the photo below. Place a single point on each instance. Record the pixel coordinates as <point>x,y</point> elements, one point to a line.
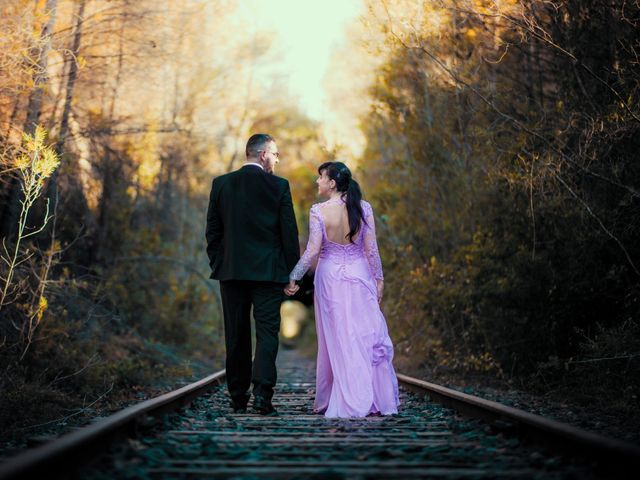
<point>237,298</point>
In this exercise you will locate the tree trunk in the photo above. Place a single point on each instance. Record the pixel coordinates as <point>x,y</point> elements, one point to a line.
<point>52,190</point>
<point>41,75</point>
<point>71,79</point>
<point>114,95</point>
<point>12,118</point>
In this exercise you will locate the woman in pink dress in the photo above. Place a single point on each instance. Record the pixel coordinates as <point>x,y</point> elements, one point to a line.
<point>354,374</point>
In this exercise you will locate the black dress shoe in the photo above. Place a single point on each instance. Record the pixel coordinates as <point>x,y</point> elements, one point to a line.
<point>263,406</point>
<point>240,405</point>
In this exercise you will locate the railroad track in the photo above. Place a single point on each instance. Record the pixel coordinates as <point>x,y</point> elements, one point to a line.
<point>204,439</point>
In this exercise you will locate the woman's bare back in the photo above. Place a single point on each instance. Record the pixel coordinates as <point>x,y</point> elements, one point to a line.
<point>336,221</point>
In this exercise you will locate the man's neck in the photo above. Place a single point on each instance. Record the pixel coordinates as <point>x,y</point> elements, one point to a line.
<point>249,162</point>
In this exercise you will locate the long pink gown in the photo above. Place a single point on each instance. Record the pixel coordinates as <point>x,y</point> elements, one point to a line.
<point>354,372</point>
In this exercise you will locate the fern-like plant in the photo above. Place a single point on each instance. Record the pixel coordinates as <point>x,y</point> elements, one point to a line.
<point>35,164</point>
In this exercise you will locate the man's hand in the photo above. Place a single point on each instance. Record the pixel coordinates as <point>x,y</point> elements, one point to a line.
<point>380,285</point>
<point>291,288</point>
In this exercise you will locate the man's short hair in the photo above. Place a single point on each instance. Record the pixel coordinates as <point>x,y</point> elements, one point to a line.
<point>256,143</point>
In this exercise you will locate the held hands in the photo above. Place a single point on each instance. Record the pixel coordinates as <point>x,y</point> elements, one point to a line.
<point>380,287</point>
<point>291,288</point>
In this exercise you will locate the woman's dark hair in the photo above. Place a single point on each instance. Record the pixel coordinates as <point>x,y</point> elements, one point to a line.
<point>351,193</point>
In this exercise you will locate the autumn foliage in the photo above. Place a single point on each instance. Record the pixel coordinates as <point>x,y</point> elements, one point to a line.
<point>501,150</point>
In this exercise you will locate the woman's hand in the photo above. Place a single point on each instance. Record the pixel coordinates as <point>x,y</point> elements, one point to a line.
<point>291,288</point>
<point>380,285</point>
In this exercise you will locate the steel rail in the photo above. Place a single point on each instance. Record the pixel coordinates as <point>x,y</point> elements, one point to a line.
<point>59,454</point>
<point>544,431</point>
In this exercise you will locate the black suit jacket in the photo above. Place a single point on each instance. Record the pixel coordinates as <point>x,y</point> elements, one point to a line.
<point>251,228</point>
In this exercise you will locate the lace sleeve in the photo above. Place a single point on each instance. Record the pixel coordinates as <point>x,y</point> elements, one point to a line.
<point>313,246</point>
<point>370,243</point>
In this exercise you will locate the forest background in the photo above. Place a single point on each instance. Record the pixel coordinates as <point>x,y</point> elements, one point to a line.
<point>497,141</point>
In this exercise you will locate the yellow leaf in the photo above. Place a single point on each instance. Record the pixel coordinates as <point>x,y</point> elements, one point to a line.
<point>22,162</point>
<point>42,307</point>
<point>40,135</point>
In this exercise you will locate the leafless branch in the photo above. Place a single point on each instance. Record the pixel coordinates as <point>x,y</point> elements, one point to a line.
<point>67,417</point>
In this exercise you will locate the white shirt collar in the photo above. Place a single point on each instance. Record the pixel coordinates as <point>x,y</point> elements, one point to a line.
<point>253,163</point>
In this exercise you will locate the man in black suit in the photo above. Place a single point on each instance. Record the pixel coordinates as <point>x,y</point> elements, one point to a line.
<point>252,244</point>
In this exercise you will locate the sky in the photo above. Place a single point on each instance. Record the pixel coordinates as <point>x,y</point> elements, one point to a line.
<point>304,34</point>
